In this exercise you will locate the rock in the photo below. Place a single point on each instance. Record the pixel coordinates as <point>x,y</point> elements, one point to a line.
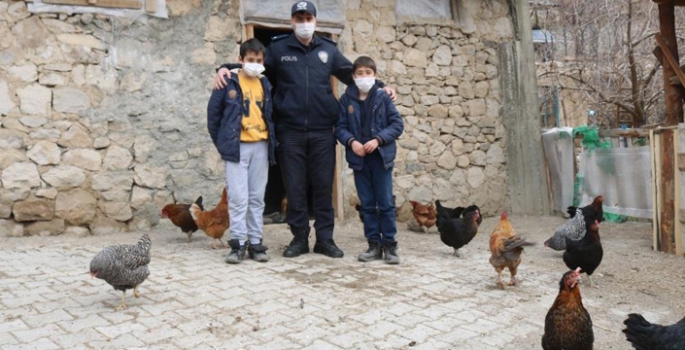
<point>496,154</point>
<point>9,228</point>
<point>82,40</point>
<point>411,143</point>
<point>46,228</point>
<point>70,100</point>
<point>76,136</point>
<point>415,58</point>
<point>437,149</point>
<point>86,18</point>
<point>429,100</point>
<point>477,157</point>
<point>32,32</point>
<point>457,178</point>
<point>139,197</point>
<point>113,181</point>
<point>21,175</point>
<point>139,224</point>
<point>476,107</point>
<point>120,211</point>
<point>447,161</point>
<point>142,147</point>
<point>205,55</point>
<point>443,56</point>
<point>64,176</point>
<point>27,73</point>
<point>33,210</point>
<point>457,147</point>
<point>405,182</point>
<point>49,193</point>
<point>33,121</point>
<point>6,203</point>
<point>10,139</point>
<point>409,40</point>
<point>466,90</point>
<point>45,134</point>
<point>83,158</point>
<point>77,231</point>
<point>475,177</point>
<point>363,29</point>
<point>6,103</point>
<point>44,153</point>
<point>53,79</point>
<point>424,44</point>
<point>18,11</point>
<point>456,112</point>
<point>463,161</point>
<point>438,111</point>
<point>442,190</point>
<point>58,67</point>
<point>77,207</point>
<point>35,99</point>
<point>481,89</point>
<point>104,79</point>
<point>105,225</point>
<point>219,29</point>
<point>385,34</point>
<point>101,142</point>
<point>422,193</point>
<point>117,158</point>
<point>150,176</point>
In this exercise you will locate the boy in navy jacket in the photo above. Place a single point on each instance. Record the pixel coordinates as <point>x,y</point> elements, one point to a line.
<point>368,126</point>
<point>240,124</point>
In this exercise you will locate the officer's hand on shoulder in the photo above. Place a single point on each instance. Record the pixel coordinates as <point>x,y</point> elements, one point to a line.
<point>219,81</point>
<point>391,92</point>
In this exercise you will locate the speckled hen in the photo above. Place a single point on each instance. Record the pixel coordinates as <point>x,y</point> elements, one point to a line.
<point>123,266</point>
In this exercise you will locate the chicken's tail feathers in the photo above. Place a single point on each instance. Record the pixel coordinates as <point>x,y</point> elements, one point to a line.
<point>516,242</point>
<point>638,331</point>
<point>195,210</point>
<point>224,196</point>
<point>144,242</point>
<point>198,201</point>
<point>571,211</point>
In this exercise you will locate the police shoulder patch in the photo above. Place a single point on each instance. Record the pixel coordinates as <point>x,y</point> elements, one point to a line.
<point>232,93</point>
<point>350,109</point>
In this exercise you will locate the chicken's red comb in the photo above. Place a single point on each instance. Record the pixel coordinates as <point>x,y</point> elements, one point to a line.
<point>504,215</point>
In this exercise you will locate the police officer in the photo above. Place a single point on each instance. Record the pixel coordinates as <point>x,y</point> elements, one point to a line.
<point>300,65</point>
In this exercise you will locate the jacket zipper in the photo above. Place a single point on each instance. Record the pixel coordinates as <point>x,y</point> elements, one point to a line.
<point>306,84</point>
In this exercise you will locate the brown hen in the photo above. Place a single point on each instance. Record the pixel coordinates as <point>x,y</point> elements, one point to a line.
<point>425,215</point>
<point>214,222</point>
<point>179,214</point>
<point>506,248</point>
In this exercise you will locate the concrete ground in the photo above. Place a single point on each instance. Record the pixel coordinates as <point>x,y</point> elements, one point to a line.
<point>433,300</point>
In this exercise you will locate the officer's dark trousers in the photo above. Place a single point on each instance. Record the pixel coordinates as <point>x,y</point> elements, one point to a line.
<point>308,157</point>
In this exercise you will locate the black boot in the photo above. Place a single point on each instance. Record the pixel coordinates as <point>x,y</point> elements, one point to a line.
<point>373,253</point>
<point>328,248</point>
<point>390,251</point>
<point>299,245</point>
<point>257,252</point>
<point>237,253</point>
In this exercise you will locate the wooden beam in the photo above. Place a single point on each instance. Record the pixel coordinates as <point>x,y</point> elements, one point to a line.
<point>666,40</point>
<point>670,2</point>
<point>681,161</point>
<point>678,229</point>
<point>655,153</point>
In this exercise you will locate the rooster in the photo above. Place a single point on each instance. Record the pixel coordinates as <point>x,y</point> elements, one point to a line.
<point>586,253</point>
<point>425,215</point>
<point>648,336</point>
<point>575,227</point>
<point>179,214</point>
<point>506,248</point>
<point>214,222</point>
<point>568,325</point>
<point>456,232</point>
<point>123,266</point>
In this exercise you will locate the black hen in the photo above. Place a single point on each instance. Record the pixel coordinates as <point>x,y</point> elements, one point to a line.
<point>455,213</point>
<point>456,232</point>
<point>648,336</point>
<point>586,253</point>
<point>123,266</point>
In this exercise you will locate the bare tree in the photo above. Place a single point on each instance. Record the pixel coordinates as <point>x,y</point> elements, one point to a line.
<point>612,64</point>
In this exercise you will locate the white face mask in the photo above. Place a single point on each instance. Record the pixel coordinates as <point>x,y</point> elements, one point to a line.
<point>365,84</point>
<point>253,69</point>
<point>305,30</point>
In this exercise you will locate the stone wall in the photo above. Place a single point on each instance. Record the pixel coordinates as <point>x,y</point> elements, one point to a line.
<point>102,120</point>
<point>447,80</point>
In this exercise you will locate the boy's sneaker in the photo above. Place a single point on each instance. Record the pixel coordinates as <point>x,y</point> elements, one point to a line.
<point>373,253</point>
<point>237,253</point>
<point>257,252</point>
<point>390,251</point>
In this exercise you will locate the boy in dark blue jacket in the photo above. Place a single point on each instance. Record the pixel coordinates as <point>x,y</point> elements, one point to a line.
<point>240,124</point>
<point>368,126</point>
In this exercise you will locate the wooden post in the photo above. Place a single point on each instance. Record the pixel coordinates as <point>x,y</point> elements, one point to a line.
<point>674,115</point>
<point>678,228</point>
<point>654,163</point>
